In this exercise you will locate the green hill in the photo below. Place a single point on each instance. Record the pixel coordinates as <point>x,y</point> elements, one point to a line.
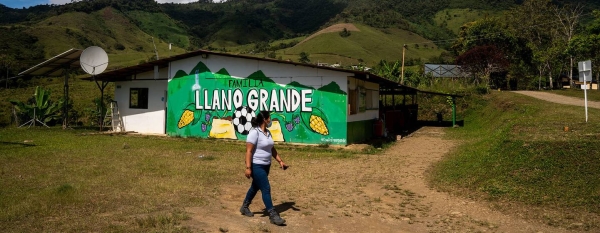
<point>366,45</point>
<point>108,28</point>
<point>161,25</point>
<point>369,45</point>
<point>126,29</point>
<point>453,19</point>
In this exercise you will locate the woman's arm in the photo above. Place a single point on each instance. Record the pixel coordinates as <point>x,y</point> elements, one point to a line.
<point>278,158</point>
<point>248,160</point>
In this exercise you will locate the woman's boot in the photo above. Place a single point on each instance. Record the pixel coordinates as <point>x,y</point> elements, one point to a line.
<point>274,217</point>
<point>245,210</point>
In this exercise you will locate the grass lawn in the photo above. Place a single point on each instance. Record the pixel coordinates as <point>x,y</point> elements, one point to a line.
<point>592,95</point>
<point>57,180</point>
<point>516,150</point>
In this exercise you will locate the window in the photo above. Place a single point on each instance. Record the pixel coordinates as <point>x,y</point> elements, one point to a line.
<point>362,99</point>
<point>372,99</point>
<point>138,98</point>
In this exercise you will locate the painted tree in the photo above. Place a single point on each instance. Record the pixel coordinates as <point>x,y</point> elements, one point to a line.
<point>481,61</point>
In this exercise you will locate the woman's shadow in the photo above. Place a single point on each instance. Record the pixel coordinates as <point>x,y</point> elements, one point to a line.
<point>283,207</point>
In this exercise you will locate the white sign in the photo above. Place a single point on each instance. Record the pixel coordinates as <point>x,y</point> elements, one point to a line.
<point>585,70</point>
<point>585,74</point>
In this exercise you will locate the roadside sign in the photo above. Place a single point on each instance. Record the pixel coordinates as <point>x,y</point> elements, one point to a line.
<point>585,70</point>
<point>585,75</point>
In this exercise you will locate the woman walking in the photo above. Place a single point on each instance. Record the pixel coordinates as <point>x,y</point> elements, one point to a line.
<point>259,150</point>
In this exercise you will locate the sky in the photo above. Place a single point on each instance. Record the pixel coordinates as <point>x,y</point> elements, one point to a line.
<point>28,3</point>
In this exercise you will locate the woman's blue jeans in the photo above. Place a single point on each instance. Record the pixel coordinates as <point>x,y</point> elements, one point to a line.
<point>260,181</point>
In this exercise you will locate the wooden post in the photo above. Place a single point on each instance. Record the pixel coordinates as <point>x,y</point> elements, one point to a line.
<point>66,96</point>
<point>402,74</point>
<point>453,112</point>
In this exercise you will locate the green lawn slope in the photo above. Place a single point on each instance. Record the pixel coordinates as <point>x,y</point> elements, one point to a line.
<point>515,150</point>
<point>369,45</point>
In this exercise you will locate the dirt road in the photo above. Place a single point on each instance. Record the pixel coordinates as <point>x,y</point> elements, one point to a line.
<point>372,193</point>
<point>561,99</point>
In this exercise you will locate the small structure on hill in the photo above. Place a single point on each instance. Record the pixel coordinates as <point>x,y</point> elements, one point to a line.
<point>444,71</point>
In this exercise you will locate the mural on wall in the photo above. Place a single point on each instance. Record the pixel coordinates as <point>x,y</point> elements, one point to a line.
<point>217,105</point>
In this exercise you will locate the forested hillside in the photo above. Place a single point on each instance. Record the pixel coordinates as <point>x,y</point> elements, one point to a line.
<point>129,29</point>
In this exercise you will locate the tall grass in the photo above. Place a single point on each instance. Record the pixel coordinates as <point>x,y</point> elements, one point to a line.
<point>516,149</point>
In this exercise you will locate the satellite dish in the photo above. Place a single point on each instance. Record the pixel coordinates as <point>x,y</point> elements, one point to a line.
<point>94,60</point>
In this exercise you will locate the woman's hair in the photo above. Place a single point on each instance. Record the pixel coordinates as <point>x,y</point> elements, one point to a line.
<point>260,118</point>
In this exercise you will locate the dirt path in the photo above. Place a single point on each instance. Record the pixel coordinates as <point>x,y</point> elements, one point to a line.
<point>371,193</point>
<point>561,99</point>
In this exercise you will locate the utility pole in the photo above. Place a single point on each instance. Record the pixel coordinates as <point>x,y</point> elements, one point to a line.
<point>402,74</point>
<point>156,51</point>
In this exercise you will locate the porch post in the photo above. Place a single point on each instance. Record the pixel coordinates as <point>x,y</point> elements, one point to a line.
<point>453,112</point>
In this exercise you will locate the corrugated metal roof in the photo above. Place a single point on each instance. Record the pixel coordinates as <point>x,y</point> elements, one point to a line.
<point>126,73</point>
<point>54,66</point>
<point>444,71</point>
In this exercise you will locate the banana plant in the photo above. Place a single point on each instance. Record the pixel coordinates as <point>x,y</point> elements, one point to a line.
<point>40,106</point>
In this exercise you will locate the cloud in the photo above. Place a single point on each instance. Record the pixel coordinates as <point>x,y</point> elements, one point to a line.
<point>22,3</point>
<point>175,1</point>
<point>182,1</point>
<point>29,3</point>
<point>59,2</point>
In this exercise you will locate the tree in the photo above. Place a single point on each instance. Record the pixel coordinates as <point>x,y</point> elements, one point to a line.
<point>481,61</point>
<point>569,20</point>
<point>304,57</point>
<point>389,70</point>
<point>40,107</point>
<point>531,22</point>
<point>7,62</point>
<point>261,47</point>
<point>494,31</point>
<point>345,33</point>
<point>586,46</point>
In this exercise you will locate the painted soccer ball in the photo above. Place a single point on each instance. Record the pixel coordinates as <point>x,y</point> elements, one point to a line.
<point>242,118</point>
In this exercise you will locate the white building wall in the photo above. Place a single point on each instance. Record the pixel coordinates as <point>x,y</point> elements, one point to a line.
<point>151,120</point>
<point>373,93</point>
